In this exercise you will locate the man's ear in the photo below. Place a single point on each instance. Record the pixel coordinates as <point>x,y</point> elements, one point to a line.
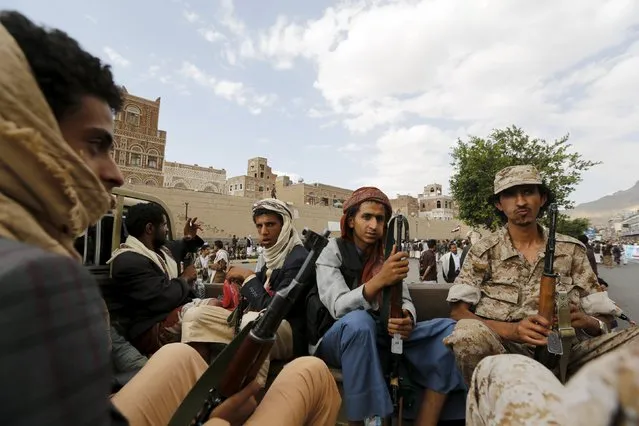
<point>148,228</point>
<point>350,222</point>
<point>544,199</point>
<point>498,205</point>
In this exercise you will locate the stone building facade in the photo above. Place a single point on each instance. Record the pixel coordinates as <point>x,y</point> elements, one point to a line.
<point>194,177</point>
<point>139,144</point>
<point>315,194</point>
<point>258,182</point>
<point>434,205</point>
<point>405,204</point>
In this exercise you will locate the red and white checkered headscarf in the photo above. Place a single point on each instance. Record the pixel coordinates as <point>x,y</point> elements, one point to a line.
<point>375,255</point>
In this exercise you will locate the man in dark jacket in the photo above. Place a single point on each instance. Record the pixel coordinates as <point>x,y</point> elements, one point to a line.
<point>149,294</point>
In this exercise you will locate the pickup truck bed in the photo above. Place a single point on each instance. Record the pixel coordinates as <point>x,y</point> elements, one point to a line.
<point>430,302</point>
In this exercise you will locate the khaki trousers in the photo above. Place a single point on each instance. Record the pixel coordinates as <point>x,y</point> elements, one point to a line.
<point>208,324</point>
<point>472,341</point>
<point>518,391</point>
<point>304,393</point>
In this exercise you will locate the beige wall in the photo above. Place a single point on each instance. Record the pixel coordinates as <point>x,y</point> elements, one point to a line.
<point>187,176</point>
<point>292,193</point>
<point>225,215</point>
<point>312,194</point>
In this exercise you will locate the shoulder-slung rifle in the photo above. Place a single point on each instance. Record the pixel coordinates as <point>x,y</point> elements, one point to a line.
<point>392,308</point>
<point>239,363</point>
<point>552,301</point>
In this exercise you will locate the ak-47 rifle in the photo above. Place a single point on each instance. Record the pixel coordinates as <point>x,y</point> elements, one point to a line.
<point>239,363</point>
<point>392,297</point>
<point>552,301</point>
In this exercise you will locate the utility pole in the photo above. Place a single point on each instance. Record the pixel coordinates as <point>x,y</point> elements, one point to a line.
<point>186,212</point>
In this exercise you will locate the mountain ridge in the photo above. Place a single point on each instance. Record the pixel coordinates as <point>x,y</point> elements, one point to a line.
<point>602,209</point>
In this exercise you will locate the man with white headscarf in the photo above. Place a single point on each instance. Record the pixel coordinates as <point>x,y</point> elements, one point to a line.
<point>276,267</point>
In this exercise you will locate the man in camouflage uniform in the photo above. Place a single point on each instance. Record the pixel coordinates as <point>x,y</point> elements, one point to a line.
<point>515,390</point>
<point>495,298</point>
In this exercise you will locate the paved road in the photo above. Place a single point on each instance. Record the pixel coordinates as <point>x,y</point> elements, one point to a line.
<point>624,287</point>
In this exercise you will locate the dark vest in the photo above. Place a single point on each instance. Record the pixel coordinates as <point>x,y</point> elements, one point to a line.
<point>318,319</point>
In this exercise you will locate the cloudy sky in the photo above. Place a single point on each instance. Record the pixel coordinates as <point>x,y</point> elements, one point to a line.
<point>371,91</point>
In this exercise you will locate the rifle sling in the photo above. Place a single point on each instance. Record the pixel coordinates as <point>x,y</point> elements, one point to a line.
<point>566,332</point>
<point>194,400</point>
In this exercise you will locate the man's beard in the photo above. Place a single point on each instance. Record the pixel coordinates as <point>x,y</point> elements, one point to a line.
<point>159,240</point>
<point>523,221</point>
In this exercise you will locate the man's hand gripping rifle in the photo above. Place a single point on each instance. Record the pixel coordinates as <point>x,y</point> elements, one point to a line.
<point>239,363</point>
<point>392,298</point>
<point>551,302</point>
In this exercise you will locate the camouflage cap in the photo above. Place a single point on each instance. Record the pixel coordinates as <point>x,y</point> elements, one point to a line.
<point>516,175</point>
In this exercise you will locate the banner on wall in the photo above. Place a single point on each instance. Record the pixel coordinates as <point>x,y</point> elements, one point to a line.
<point>632,252</point>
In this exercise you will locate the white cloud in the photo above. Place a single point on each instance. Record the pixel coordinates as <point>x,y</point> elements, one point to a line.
<point>211,35</point>
<point>153,70</point>
<point>91,19</point>
<point>229,20</point>
<point>233,91</point>
<point>408,158</point>
<point>191,16</point>
<point>351,147</point>
<point>435,70</point>
<point>295,177</point>
<point>115,57</point>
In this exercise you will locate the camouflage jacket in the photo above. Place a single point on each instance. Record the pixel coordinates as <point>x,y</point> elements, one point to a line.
<point>502,285</point>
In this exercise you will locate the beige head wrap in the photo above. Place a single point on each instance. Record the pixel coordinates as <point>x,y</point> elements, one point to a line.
<point>48,195</point>
<point>289,238</point>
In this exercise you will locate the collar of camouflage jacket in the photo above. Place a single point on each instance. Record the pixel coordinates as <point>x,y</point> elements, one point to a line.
<point>48,195</point>
<point>508,250</point>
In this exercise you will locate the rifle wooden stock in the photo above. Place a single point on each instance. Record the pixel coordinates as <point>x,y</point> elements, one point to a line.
<point>547,288</point>
<point>396,301</point>
<point>245,365</point>
<point>547,297</point>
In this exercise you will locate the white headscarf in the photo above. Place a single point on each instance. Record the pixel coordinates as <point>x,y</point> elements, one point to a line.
<point>289,238</point>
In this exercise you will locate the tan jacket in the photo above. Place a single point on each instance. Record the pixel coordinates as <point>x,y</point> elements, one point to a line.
<point>502,285</point>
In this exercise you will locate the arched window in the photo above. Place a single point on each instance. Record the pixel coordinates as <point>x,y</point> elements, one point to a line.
<point>152,159</point>
<point>135,157</point>
<point>133,115</point>
<point>134,180</point>
<point>180,185</point>
<point>151,182</point>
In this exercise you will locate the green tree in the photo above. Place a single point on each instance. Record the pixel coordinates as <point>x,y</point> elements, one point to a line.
<point>572,227</point>
<point>476,161</point>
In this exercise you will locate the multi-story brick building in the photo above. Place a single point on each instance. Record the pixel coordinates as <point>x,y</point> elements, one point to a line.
<point>258,182</point>
<point>139,144</point>
<point>194,177</point>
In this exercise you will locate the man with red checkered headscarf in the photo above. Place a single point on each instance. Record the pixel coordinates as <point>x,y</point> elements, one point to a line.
<point>351,274</point>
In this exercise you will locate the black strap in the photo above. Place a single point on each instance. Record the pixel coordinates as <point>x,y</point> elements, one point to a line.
<point>198,395</point>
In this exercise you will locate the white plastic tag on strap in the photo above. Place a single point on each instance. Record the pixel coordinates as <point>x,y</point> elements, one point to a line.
<point>397,344</point>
